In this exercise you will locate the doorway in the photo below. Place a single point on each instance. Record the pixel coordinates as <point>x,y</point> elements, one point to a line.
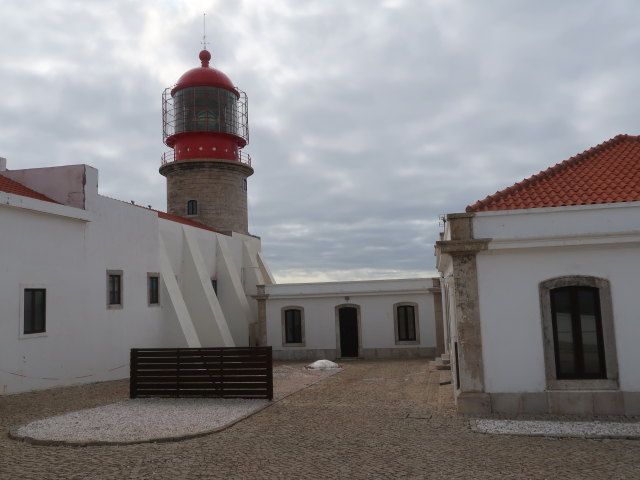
<point>348,326</point>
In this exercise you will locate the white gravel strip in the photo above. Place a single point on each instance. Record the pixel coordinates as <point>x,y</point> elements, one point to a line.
<point>139,420</point>
<point>557,429</point>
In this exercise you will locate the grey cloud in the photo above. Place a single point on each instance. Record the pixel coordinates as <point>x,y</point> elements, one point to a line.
<point>366,122</point>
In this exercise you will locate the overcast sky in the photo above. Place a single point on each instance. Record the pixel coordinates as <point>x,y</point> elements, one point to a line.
<point>368,118</point>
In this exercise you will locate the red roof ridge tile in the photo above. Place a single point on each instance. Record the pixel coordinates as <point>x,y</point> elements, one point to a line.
<point>490,202</point>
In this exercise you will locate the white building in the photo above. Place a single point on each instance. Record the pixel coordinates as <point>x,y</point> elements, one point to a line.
<point>365,319</point>
<point>84,278</point>
<point>540,289</point>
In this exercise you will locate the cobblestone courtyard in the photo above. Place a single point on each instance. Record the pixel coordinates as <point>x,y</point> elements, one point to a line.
<point>375,419</point>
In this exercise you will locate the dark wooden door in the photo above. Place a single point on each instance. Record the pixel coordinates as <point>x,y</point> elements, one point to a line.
<point>348,318</point>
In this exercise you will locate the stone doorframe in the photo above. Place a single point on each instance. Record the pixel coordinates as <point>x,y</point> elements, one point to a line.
<point>337,325</point>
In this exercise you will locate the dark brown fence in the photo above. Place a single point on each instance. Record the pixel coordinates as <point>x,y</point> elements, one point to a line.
<point>226,372</point>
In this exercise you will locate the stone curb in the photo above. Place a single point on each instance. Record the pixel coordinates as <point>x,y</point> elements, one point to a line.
<point>13,431</point>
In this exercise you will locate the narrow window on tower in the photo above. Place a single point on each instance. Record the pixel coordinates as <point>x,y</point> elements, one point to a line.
<point>153,287</point>
<point>192,207</point>
<point>244,184</point>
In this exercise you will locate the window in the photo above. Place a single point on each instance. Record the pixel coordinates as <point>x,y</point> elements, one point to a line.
<point>244,184</point>
<point>153,287</point>
<point>35,303</point>
<point>578,335</point>
<point>293,326</point>
<point>192,207</point>
<point>577,332</point>
<point>406,325</point>
<point>214,284</point>
<point>114,288</point>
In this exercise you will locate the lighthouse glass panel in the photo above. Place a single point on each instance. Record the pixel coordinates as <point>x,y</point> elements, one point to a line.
<point>205,109</point>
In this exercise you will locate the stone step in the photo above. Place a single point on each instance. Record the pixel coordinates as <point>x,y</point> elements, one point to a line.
<point>441,363</point>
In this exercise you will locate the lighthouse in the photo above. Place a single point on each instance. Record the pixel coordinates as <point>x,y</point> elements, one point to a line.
<point>205,123</point>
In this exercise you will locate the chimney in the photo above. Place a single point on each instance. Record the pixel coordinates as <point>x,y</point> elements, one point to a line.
<point>3,164</point>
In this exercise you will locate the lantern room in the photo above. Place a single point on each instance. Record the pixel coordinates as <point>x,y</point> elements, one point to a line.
<point>205,116</point>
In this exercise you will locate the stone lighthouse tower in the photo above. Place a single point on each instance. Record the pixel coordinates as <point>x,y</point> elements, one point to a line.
<point>205,123</point>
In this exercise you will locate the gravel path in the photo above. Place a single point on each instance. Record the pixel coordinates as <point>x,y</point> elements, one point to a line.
<point>159,419</point>
<point>558,429</point>
<point>139,420</point>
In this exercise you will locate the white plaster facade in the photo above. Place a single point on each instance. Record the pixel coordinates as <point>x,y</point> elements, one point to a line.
<point>68,247</point>
<point>511,254</point>
<point>374,301</point>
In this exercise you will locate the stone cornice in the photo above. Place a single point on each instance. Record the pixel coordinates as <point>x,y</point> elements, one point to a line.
<point>453,247</point>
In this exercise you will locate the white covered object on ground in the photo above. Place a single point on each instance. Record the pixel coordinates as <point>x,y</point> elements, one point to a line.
<point>322,365</point>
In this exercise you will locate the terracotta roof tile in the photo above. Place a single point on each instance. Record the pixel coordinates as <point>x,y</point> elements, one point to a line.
<point>11,186</point>
<point>173,218</point>
<point>606,173</point>
<point>185,221</point>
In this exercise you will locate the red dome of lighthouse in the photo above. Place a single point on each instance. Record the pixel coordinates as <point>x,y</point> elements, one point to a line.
<point>204,76</point>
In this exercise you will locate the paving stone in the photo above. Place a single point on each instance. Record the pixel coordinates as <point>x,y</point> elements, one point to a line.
<point>353,425</point>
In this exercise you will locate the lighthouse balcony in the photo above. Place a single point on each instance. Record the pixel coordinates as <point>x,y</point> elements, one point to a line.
<point>169,157</point>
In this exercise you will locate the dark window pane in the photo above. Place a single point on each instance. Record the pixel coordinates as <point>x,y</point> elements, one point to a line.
<point>39,310</point>
<point>115,295</point>
<point>566,353</point>
<point>28,311</point>
<point>577,330</point>
<point>153,290</point>
<point>587,302</point>
<point>406,323</point>
<point>35,307</point>
<point>293,326</point>
<point>192,207</point>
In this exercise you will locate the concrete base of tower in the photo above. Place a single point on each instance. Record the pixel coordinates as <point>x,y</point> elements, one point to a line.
<point>209,191</point>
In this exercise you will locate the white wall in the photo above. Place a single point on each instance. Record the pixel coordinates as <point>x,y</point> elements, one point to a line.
<point>84,341</point>
<point>375,299</point>
<point>510,271</point>
<point>69,250</point>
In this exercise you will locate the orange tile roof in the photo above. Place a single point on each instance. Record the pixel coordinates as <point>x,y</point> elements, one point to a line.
<point>173,218</point>
<point>11,186</point>
<point>185,221</point>
<point>606,173</point>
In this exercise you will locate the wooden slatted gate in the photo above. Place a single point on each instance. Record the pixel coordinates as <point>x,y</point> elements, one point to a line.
<point>226,372</point>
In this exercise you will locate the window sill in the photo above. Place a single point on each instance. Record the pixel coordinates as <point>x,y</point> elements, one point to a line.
<point>587,384</point>
<point>25,336</point>
<point>114,307</point>
<point>407,342</point>
<point>293,344</point>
